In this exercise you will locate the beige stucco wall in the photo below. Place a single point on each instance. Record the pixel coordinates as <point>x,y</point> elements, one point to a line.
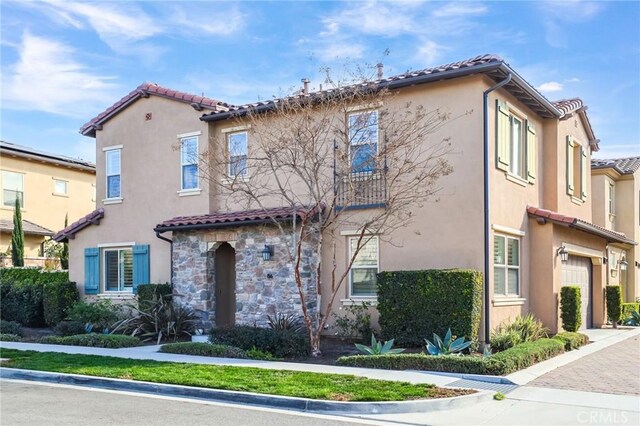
<point>150,181</point>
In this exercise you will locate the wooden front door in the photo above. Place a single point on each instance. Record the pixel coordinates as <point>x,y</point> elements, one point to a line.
<point>225,285</point>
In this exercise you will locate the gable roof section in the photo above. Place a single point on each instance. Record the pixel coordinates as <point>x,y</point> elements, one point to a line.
<point>572,106</point>
<point>69,232</point>
<point>582,225</point>
<point>624,166</point>
<point>29,228</point>
<point>144,91</point>
<point>11,149</point>
<point>492,65</point>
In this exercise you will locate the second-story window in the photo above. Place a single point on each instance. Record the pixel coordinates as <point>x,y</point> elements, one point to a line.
<point>577,170</point>
<point>60,187</point>
<point>516,144</point>
<point>12,188</point>
<point>612,206</point>
<point>189,159</point>
<point>237,150</point>
<point>517,147</point>
<point>113,173</point>
<point>363,141</point>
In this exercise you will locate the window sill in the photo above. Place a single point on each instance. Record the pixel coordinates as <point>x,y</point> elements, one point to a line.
<point>516,179</point>
<point>229,180</point>
<point>116,296</point>
<point>112,201</point>
<point>356,301</point>
<point>60,195</point>
<point>189,192</point>
<point>577,201</point>
<point>22,209</point>
<point>508,301</point>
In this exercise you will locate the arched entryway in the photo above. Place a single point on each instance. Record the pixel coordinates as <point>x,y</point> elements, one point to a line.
<point>225,285</point>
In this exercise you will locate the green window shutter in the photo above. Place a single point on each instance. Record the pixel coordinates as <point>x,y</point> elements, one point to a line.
<point>140,266</point>
<point>502,135</point>
<point>531,153</point>
<point>570,184</point>
<point>91,270</point>
<point>584,171</point>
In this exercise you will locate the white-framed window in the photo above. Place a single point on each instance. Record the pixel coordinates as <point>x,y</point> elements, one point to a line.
<point>578,170</point>
<point>363,140</point>
<point>237,148</point>
<point>364,270</point>
<point>612,195</point>
<point>189,162</point>
<point>517,147</point>
<point>118,269</point>
<point>12,188</point>
<point>506,266</point>
<point>60,187</point>
<point>113,159</point>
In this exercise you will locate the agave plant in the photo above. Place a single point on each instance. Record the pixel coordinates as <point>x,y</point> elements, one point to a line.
<point>377,348</point>
<point>633,319</point>
<point>289,322</point>
<point>447,346</point>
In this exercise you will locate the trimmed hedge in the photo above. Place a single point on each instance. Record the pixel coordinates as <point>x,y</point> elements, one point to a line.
<point>147,293</point>
<point>415,304</point>
<point>94,340</point>
<point>10,327</point>
<point>571,308</point>
<point>572,340</point>
<point>627,308</point>
<point>613,297</point>
<point>9,337</point>
<point>69,328</point>
<point>101,314</point>
<point>57,300</point>
<point>521,356</point>
<point>281,343</point>
<point>203,349</point>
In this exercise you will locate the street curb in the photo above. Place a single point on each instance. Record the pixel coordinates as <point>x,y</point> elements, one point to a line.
<point>272,401</point>
<point>486,378</point>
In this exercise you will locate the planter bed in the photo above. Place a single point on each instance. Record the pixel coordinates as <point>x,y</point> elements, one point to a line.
<point>335,387</point>
<point>94,340</point>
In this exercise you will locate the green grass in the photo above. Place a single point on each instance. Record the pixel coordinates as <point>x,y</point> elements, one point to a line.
<point>335,387</point>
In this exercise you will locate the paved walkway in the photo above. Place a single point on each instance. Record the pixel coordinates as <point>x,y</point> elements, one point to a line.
<point>613,370</point>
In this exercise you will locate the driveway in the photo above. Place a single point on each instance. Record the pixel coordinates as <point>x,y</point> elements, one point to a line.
<point>612,370</point>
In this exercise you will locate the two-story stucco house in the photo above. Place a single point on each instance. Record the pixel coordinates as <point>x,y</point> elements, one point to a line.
<point>616,193</point>
<point>518,205</point>
<point>48,187</point>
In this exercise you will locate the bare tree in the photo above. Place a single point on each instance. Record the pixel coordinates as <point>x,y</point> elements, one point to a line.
<point>356,156</point>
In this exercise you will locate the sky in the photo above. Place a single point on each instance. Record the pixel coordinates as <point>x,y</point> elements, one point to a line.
<point>63,62</point>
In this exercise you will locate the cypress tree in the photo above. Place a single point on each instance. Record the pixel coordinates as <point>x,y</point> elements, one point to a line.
<point>64,256</point>
<point>17,237</point>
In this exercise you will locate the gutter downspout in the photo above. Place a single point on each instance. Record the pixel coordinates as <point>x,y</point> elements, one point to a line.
<point>170,254</point>
<point>485,98</point>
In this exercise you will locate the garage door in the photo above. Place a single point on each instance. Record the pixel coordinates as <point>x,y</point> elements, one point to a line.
<point>577,271</point>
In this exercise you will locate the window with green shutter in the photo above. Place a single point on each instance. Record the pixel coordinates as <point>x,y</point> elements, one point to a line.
<point>516,142</point>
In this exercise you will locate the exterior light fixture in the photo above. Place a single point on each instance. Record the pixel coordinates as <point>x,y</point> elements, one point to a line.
<point>623,264</point>
<point>563,253</point>
<point>267,252</point>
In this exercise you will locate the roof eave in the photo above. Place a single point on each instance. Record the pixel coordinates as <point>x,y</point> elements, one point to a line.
<point>196,226</point>
<point>589,228</point>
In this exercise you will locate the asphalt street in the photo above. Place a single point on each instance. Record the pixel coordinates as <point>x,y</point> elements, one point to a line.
<point>23,403</point>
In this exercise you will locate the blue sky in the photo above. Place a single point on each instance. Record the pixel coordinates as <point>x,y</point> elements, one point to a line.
<point>64,62</point>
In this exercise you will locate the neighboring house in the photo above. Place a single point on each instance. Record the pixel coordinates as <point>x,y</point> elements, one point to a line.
<point>616,192</point>
<point>49,186</point>
<point>538,191</point>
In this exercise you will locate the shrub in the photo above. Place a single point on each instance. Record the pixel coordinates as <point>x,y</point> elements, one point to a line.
<point>69,328</point>
<point>523,329</point>
<point>524,355</point>
<point>377,348</point>
<point>203,349</point>
<point>149,294</point>
<point>290,322</point>
<point>58,298</point>
<point>9,337</point>
<point>159,321</point>
<point>94,340</point>
<point>255,353</point>
<point>415,304</point>
<point>572,340</point>
<point>281,343</point>
<point>446,346</point>
<point>613,298</point>
<point>571,308</point>
<point>10,327</point>
<point>101,315</point>
<point>32,275</point>
<point>633,319</point>
<point>355,322</point>
<point>628,308</point>
<point>502,339</point>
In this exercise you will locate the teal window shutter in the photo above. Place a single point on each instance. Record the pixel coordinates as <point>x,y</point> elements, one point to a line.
<point>140,266</point>
<point>91,270</point>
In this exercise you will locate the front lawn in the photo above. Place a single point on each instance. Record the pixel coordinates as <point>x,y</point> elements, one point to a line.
<point>335,387</point>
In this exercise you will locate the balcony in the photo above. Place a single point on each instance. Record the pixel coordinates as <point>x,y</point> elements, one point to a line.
<point>361,190</point>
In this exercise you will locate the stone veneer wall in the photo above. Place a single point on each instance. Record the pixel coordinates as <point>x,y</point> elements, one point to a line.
<point>262,288</point>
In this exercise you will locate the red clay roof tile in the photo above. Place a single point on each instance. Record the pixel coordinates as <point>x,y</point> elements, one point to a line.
<point>92,218</point>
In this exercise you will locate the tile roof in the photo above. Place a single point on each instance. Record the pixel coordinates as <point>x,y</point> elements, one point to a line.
<point>580,224</point>
<point>29,228</point>
<point>492,64</point>
<point>567,106</point>
<point>144,90</point>
<point>624,166</point>
<point>8,148</point>
<point>219,220</point>
<point>92,218</point>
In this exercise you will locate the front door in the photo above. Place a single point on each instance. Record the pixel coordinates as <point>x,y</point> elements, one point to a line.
<point>225,285</point>
<point>577,271</point>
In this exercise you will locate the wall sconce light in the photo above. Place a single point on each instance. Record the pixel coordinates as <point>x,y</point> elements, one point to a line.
<point>563,253</point>
<point>267,252</point>
<point>623,264</point>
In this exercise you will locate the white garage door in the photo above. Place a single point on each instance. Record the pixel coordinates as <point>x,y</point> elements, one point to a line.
<point>577,271</point>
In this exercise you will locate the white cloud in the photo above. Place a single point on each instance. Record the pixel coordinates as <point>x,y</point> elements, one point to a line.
<point>572,80</point>
<point>458,9</point>
<point>551,86</point>
<point>373,18</point>
<point>339,50</point>
<point>201,18</point>
<point>428,53</point>
<point>48,78</point>
<point>557,14</point>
